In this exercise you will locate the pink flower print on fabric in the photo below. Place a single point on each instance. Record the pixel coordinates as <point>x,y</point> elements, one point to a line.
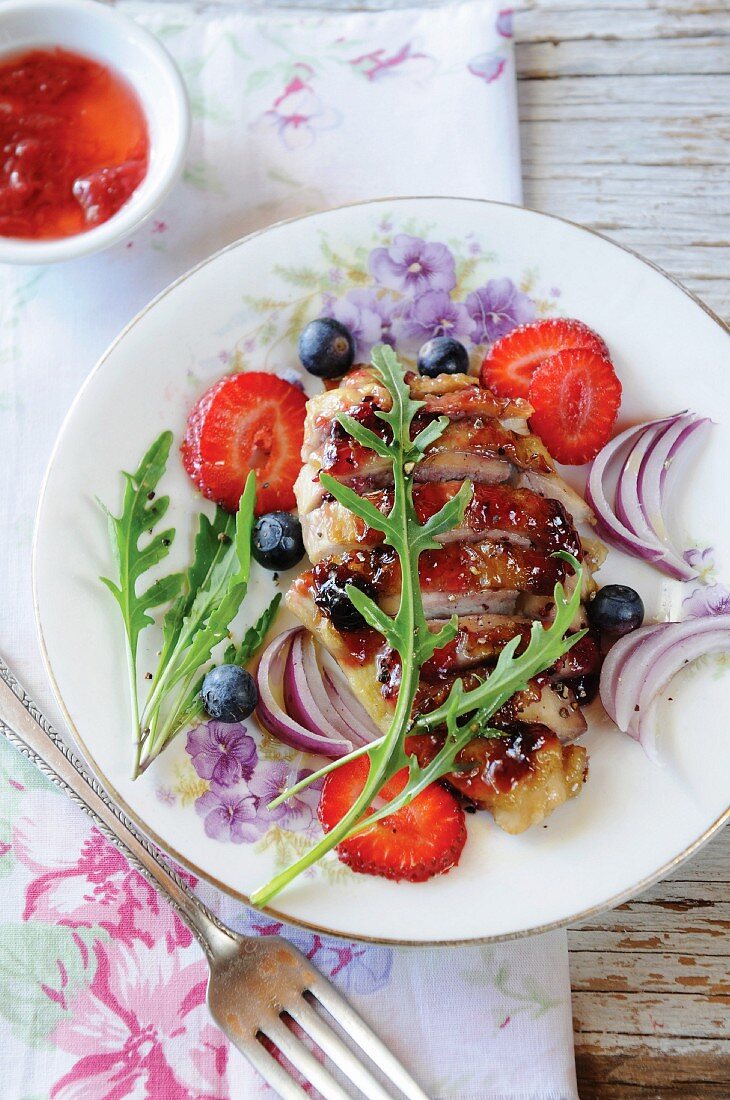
<point>504,23</point>
<point>378,65</point>
<point>95,887</point>
<point>142,1029</point>
<point>488,66</point>
<point>297,115</point>
<point>357,967</point>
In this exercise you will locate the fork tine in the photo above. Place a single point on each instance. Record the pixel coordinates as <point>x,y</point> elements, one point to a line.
<point>365,1037</point>
<point>274,1074</point>
<point>297,1053</point>
<point>337,1050</point>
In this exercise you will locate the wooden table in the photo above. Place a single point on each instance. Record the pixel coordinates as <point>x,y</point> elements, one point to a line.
<point>625,123</point>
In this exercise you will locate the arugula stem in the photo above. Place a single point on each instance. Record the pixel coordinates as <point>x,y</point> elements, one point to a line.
<point>409,610</point>
<point>134,701</point>
<point>310,779</point>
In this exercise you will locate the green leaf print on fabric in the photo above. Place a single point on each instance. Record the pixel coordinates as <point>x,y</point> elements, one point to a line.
<point>204,177</point>
<point>522,994</point>
<point>42,966</point>
<point>17,775</point>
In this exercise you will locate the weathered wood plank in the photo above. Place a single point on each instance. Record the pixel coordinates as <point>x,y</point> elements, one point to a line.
<point>567,21</point>
<point>670,1015</point>
<point>621,58</point>
<point>667,940</point>
<point>649,972</point>
<point>695,1062</point>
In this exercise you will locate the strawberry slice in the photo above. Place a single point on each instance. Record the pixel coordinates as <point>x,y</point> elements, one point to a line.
<point>576,397</point>
<point>416,842</point>
<point>250,421</point>
<point>508,367</point>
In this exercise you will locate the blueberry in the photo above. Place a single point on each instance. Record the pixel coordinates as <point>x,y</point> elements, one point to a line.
<point>332,598</point>
<point>277,540</point>
<point>229,693</point>
<point>326,348</point>
<point>443,355</point>
<point>616,609</point>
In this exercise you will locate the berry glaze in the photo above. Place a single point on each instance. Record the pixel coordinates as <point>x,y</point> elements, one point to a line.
<point>74,140</point>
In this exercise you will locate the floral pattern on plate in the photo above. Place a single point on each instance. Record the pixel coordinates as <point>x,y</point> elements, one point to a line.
<point>404,289</point>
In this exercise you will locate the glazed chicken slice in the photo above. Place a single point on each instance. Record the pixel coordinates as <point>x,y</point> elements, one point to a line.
<point>496,571</point>
<point>520,779</point>
<point>456,396</point>
<point>461,578</point>
<point>495,513</point>
<point>486,440</point>
<point>373,671</point>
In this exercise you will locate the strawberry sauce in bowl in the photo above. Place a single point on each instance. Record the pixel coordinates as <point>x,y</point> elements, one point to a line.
<point>94,127</point>
<point>74,143</point>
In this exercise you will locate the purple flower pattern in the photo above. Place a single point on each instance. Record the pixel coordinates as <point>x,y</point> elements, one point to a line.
<point>435,314</point>
<point>222,752</point>
<point>412,265</point>
<point>496,308</point>
<point>228,814</point>
<point>241,785</point>
<point>369,316</point>
<point>711,599</point>
<point>270,780</point>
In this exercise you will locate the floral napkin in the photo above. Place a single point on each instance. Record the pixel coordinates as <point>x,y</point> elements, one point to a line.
<point>101,988</point>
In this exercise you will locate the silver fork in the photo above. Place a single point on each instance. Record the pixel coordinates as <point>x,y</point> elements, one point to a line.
<point>257,985</point>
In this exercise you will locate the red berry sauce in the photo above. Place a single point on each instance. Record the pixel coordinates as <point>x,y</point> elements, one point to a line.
<point>74,144</point>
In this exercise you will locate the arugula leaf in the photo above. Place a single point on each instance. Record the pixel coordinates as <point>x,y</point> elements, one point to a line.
<point>192,709</point>
<point>199,621</point>
<point>211,544</point>
<point>253,639</point>
<point>141,513</point>
<point>408,632</point>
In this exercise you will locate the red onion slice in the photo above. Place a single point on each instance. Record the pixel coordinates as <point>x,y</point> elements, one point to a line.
<point>654,470</point>
<point>639,667</point>
<point>304,694</point>
<point>308,707</point>
<point>627,503</point>
<point>635,522</point>
<point>611,670</point>
<point>271,712</point>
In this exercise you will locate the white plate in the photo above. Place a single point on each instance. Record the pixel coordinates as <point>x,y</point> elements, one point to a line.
<point>243,309</point>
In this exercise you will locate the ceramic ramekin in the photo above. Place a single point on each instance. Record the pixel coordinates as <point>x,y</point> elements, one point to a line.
<point>100,32</point>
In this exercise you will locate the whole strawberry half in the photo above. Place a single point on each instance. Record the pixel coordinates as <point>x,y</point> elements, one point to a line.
<point>576,397</point>
<point>423,839</point>
<point>510,363</point>
<point>249,421</point>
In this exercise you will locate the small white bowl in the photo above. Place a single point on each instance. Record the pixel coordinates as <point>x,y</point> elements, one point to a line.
<point>97,31</point>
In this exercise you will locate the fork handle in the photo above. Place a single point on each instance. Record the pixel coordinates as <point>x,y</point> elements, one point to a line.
<point>32,734</point>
